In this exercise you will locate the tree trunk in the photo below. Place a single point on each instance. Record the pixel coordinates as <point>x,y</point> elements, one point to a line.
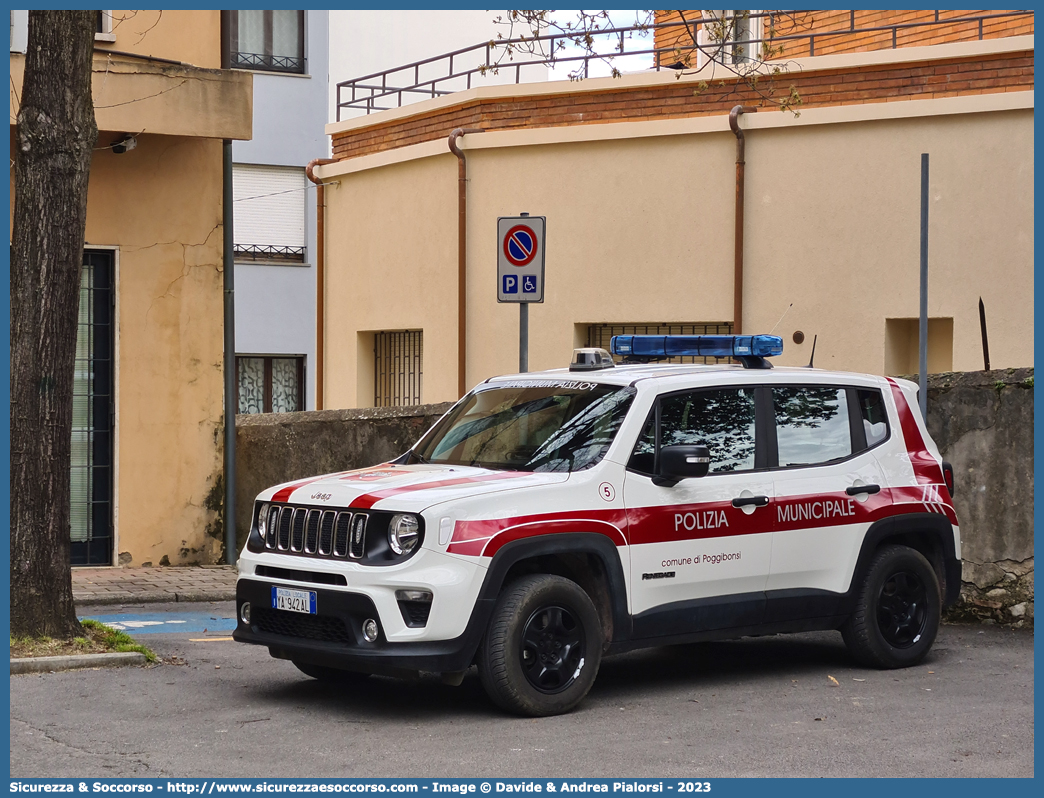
<point>55,137</point>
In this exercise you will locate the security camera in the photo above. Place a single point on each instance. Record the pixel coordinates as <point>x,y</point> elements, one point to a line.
<point>128,142</point>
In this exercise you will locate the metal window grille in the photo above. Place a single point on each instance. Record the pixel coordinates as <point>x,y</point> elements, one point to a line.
<point>397,360</point>
<point>91,463</point>
<point>600,335</point>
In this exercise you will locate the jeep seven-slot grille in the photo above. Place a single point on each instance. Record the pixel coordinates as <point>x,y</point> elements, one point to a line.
<point>316,533</point>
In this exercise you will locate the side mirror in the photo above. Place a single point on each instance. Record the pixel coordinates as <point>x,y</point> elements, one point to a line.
<point>682,462</point>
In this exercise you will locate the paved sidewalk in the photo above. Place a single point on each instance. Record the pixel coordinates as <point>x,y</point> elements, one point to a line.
<point>140,585</point>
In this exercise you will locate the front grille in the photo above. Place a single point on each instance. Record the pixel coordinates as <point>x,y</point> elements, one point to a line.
<point>318,533</point>
<point>295,624</point>
<point>312,532</point>
<point>294,575</point>
<point>297,532</point>
<point>285,518</point>
<point>326,532</point>
<point>344,520</point>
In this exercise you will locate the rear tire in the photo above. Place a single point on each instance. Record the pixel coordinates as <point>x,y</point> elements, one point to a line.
<point>329,675</point>
<point>897,612</point>
<point>543,647</point>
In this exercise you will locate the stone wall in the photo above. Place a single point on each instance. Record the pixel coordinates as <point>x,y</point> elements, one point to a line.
<point>983,424</point>
<point>981,421</point>
<point>280,447</point>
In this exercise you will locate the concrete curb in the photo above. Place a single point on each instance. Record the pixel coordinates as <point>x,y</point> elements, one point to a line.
<point>67,663</point>
<point>154,597</point>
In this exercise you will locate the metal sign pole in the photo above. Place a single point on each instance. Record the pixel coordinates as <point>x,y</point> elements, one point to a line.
<point>923,326</point>
<point>523,337</point>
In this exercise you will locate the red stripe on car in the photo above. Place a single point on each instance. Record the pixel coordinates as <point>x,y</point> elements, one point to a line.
<point>926,468</point>
<point>366,501</point>
<point>703,520</point>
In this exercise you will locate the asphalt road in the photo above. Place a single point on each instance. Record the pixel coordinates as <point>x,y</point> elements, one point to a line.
<point>771,706</point>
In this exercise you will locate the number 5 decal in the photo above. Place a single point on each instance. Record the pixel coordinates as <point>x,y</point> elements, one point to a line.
<point>607,491</point>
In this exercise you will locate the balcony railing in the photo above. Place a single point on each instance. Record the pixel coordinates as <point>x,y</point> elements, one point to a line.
<point>457,70</point>
<point>269,253</point>
<point>268,63</point>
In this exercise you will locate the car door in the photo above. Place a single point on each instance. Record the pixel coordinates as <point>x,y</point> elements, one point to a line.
<point>700,549</point>
<point>828,486</point>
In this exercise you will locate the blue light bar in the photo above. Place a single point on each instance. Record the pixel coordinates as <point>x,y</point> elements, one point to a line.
<point>696,345</point>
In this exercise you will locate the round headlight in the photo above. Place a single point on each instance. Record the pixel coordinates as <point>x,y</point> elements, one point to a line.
<point>262,521</point>
<point>403,533</point>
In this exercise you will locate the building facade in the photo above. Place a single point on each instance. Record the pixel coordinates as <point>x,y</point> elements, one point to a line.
<point>148,417</point>
<point>275,221</point>
<point>637,179</point>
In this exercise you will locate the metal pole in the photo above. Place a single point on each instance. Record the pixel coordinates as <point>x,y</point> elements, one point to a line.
<point>523,337</point>
<point>230,359</point>
<point>985,340</point>
<point>228,279</point>
<point>923,326</point>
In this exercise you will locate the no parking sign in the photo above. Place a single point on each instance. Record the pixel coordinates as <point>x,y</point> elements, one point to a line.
<point>520,258</point>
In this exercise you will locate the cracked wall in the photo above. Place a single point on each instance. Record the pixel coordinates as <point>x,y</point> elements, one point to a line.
<point>983,424</point>
<point>159,205</point>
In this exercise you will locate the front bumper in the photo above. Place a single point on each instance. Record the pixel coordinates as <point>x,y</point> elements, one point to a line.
<point>333,636</point>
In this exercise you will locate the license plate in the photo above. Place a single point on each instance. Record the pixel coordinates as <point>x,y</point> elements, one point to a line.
<point>284,598</point>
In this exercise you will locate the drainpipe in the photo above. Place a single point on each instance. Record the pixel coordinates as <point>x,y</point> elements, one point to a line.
<point>320,275</point>
<point>229,285</point>
<point>737,295</point>
<point>462,255</point>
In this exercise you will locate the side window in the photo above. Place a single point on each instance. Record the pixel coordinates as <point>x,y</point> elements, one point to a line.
<point>811,425</point>
<point>875,416</point>
<point>722,420</point>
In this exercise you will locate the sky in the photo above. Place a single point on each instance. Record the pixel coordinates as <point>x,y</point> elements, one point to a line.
<point>599,68</point>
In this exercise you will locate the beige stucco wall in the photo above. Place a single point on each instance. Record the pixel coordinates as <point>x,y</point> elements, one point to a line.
<point>160,206</point>
<point>640,229</point>
<point>192,36</point>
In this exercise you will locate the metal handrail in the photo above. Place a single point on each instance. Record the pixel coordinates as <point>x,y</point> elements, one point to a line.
<point>375,86</point>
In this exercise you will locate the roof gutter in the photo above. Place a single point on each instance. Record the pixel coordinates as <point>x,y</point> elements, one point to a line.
<point>320,275</point>
<point>737,295</point>
<point>462,256</point>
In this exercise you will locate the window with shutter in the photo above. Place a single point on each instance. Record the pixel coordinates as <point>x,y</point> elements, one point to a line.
<point>601,334</point>
<point>269,213</point>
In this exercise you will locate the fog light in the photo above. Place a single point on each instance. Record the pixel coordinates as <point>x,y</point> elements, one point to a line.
<point>370,630</point>
<point>413,595</point>
<point>244,613</point>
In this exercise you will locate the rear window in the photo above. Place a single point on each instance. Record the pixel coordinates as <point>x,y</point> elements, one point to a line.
<point>812,424</point>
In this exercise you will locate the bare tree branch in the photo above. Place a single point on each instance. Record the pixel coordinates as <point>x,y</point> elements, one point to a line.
<point>725,46</point>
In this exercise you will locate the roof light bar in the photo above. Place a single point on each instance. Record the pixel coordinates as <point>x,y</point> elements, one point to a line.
<point>653,346</point>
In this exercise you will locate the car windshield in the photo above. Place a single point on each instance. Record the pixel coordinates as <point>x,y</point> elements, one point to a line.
<point>529,425</point>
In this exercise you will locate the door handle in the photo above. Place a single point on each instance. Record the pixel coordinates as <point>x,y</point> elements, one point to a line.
<point>757,501</point>
<point>855,490</point>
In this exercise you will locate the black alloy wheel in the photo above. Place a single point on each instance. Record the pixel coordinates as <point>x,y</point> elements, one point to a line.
<point>543,646</point>
<point>897,611</point>
<point>902,609</point>
<point>552,649</point>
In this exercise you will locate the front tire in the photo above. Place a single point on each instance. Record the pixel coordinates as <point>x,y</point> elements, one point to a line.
<point>897,612</point>
<point>543,647</point>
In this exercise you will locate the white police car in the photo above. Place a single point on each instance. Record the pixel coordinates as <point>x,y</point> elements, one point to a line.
<point>551,518</point>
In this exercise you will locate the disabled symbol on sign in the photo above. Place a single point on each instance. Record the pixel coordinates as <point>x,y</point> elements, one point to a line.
<point>510,284</point>
<point>529,284</point>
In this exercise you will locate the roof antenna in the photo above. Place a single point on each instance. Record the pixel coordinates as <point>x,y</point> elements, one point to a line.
<point>785,312</point>
<point>813,356</point>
